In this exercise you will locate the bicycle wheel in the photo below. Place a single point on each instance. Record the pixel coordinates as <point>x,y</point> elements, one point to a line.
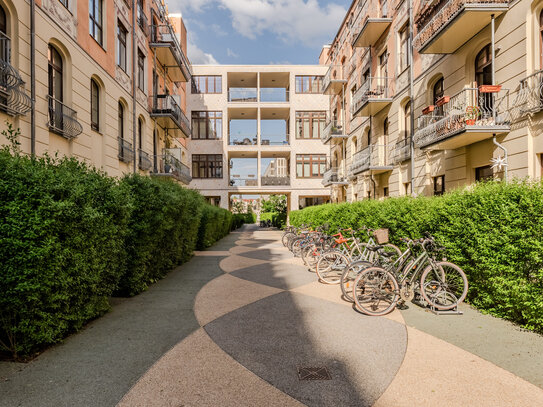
<point>297,247</point>
<point>286,238</point>
<point>445,286</point>
<point>360,252</point>
<point>292,241</point>
<point>375,291</point>
<point>307,251</point>
<point>312,258</point>
<point>349,275</point>
<point>390,248</point>
<point>330,266</point>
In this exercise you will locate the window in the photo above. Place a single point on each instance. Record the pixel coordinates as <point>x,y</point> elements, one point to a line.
<point>308,84</point>
<point>403,49</point>
<point>407,188</point>
<point>484,173</point>
<point>64,3</point>
<point>207,125</point>
<point>439,185</point>
<point>206,84</point>
<point>437,93</point>
<point>309,125</point>
<point>140,133</point>
<point>121,45</point>
<point>310,165</point>
<point>141,71</point>
<point>95,105</point>
<point>213,200</point>
<point>95,20</point>
<point>55,71</point>
<point>541,39</point>
<point>483,67</point>
<point>207,166</point>
<point>385,130</point>
<point>121,120</point>
<point>385,192</point>
<point>407,120</point>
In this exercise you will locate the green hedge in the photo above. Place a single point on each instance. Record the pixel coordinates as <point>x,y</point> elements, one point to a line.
<point>494,231</point>
<point>278,219</point>
<point>70,237</point>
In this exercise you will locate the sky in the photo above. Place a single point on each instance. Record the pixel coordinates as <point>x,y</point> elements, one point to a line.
<point>244,32</point>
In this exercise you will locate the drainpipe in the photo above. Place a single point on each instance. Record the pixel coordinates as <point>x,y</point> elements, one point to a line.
<point>134,104</point>
<point>412,101</point>
<point>493,65</point>
<point>33,77</point>
<point>374,185</point>
<point>504,155</point>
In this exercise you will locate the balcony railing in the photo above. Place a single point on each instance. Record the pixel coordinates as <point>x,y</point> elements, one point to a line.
<point>335,76</point>
<point>243,140</point>
<point>468,110</point>
<point>401,151</point>
<point>376,90</point>
<point>13,98</point>
<point>372,22</point>
<point>169,165</point>
<point>530,95</point>
<point>274,95</point>
<point>166,107</point>
<point>164,37</point>
<point>142,21</point>
<point>436,18</point>
<point>274,140</point>
<point>63,120</point>
<point>274,181</point>
<point>243,95</point>
<point>333,129</point>
<point>144,161</point>
<point>243,182</point>
<point>332,176</point>
<point>373,157</point>
<point>126,152</point>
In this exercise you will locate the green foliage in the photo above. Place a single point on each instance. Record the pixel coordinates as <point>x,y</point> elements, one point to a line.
<point>276,203</point>
<point>237,206</point>
<point>494,231</point>
<point>12,135</point>
<point>278,219</point>
<point>70,237</point>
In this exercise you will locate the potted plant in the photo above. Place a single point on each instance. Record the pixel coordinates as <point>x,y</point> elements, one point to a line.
<point>442,100</point>
<point>472,114</point>
<point>428,109</point>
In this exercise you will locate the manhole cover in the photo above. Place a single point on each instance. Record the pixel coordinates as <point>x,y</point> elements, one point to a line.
<point>313,373</point>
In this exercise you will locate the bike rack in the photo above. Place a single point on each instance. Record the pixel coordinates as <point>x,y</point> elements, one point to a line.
<point>420,301</point>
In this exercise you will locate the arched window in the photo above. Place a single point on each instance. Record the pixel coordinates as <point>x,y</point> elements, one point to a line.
<point>407,120</point>
<point>121,121</point>
<point>385,130</point>
<point>55,71</point>
<point>437,93</point>
<point>3,23</point>
<point>95,105</point>
<point>140,133</point>
<point>483,67</point>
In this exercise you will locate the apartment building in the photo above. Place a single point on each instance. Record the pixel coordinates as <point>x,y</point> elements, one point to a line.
<point>109,81</point>
<point>256,131</point>
<point>460,103</point>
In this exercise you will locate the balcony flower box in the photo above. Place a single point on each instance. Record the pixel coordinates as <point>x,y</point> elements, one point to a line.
<point>428,109</point>
<point>442,100</point>
<point>490,88</point>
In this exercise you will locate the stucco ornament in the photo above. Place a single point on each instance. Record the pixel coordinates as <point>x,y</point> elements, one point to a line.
<point>498,163</point>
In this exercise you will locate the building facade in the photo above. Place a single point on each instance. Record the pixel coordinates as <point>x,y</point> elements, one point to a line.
<point>441,111</point>
<point>110,82</point>
<point>256,130</point>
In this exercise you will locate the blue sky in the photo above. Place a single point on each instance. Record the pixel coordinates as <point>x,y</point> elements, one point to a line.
<point>259,31</point>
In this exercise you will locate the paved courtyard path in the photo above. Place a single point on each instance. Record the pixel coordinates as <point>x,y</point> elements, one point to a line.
<point>233,326</point>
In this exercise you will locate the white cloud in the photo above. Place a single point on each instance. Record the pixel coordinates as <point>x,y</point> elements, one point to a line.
<point>217,29</point>
<point>199,57</point>
<point>231,53</point>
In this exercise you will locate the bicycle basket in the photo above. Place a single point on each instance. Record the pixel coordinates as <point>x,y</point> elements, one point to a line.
<point>381,235</point>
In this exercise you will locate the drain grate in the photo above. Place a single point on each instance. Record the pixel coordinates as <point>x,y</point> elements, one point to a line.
<point>313,373</point>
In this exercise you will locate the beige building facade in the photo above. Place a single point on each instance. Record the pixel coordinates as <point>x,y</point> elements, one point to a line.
<point>475,102</point>
<point>109,79</point>
<point>256,131</point>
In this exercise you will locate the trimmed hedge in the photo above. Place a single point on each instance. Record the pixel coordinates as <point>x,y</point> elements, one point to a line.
<point>70,237</point>
<point>494,231</point>
<point>278,219</point>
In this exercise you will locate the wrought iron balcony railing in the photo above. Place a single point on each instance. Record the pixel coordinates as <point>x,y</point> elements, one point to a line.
<point>335,74</point>
<point>144,161</point>
<point>375,89</point>
<point>63,120</point>
<point>401,151</point>
<point>164,36</point>
<point>469,109</point>
<point>13,98</point>
<point>169,165</point>
<point>333,129</point>
<point>374,156</point>
<point>165,106</point>
<point>274,181</point>
<point>126,152</point>
<point>332,176</point>
<point>372,21</point>
<point>530,95</point>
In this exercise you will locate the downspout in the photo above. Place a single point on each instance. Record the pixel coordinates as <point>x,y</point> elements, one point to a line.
<point>33,78</point>
<point>134,104</point>
<point>411,94</point>
<point>374,185</point>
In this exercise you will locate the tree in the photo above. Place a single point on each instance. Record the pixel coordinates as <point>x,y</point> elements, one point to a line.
<point>276,203</point>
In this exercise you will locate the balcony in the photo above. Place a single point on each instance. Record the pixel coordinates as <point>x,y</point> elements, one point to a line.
<point>126,152</point>
<point>530,95</point>
<point>168,114</point>
<point>243,182</point>
<point>375,20</point>
<point>274,181</point>
<point>144,161</point>
<point>142,20</point>
<point>373,96</point>
<point>169,53</point>
<point>13,98</point>
<point>170,166</point>
<point>443,26</point>
<point>334,130</point>
<point>374,158</point>
<point>332,176</point>
<point>274,140</point>
<point>468,117</point>
<point>401,151</point>
<point>274,95</point>
<point>63,120</point>
<point>243,95</point>
<point>335,79</point>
